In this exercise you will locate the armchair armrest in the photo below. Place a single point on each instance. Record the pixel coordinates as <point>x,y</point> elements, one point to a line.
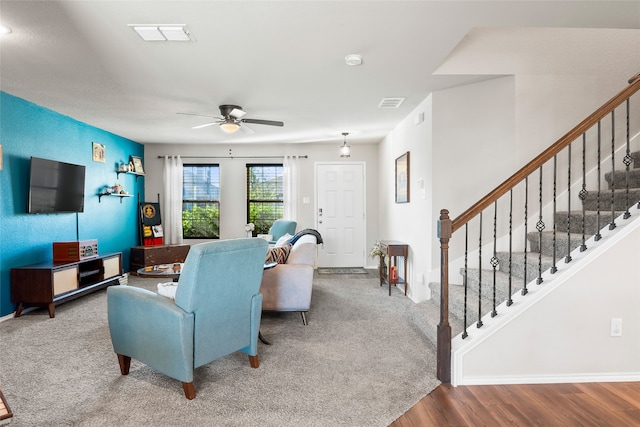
<point>151,329</point>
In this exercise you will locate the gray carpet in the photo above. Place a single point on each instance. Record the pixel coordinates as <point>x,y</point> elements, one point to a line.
<point>361,361</point>
<point>347,270</point>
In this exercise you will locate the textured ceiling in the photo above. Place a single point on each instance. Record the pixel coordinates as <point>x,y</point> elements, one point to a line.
<point>284,60</point>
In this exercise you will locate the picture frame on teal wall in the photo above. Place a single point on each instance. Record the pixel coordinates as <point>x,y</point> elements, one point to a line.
<point>137,164</point>
<point>99,153</point>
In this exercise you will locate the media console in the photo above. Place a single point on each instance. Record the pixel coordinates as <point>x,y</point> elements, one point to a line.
<point>50,283</point>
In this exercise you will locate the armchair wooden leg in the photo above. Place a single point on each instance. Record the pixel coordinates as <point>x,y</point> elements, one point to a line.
<point>254,362</point>
<point>189,390</point>
<point>125,364</point>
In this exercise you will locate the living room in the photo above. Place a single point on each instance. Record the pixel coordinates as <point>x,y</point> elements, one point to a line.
<point>451,132</point>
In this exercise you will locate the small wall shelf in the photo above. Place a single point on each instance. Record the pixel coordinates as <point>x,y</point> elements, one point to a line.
<point>118,172</point>
<point>101,195</point>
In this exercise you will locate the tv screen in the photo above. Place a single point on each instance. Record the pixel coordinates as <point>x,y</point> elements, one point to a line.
<point>55,186</point>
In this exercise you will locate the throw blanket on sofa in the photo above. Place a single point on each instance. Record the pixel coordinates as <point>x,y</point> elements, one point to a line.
<point>306,231</point>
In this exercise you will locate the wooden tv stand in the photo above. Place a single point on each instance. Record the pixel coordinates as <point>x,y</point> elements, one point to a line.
<point>50,283</point>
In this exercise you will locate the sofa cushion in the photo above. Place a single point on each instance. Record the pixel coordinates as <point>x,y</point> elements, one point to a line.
<point>278,254</point>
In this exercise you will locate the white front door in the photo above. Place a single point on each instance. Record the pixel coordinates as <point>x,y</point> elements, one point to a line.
<point>340,217</point>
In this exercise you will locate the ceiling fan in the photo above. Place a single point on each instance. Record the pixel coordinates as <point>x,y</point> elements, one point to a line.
<point>231,119</point>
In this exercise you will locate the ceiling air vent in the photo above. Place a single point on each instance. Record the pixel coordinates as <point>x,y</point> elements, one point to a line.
<point>390,102</point>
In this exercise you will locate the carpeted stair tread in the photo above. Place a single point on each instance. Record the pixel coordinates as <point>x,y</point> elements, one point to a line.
<point>428,318</point>
<point>620,202</point>
<point>518,263</point>
<point>502,283</point>
<point>620,178</point>
<point>564,244</point>
<point>590,223</point>
<point>456,302</point>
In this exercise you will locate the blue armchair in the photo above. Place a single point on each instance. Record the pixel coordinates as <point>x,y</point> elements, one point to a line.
<point>216,312</point>
<point>280,227</point>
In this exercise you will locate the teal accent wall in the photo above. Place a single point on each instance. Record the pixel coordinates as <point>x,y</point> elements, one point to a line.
<point>29,130</point>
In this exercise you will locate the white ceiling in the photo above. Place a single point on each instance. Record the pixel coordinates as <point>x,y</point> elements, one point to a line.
<point>284,60</point>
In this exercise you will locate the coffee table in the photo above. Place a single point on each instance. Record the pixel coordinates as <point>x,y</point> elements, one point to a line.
<point>162,271</point>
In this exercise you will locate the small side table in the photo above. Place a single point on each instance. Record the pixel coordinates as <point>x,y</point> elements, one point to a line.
<point>393,249</point>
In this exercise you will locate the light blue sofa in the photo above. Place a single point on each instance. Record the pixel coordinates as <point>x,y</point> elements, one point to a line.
<point>216,312</point>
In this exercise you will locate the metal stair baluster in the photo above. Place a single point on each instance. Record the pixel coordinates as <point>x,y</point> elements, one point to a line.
<point>567,259</point>
<point>598,236</point>
<point>612,224</point>
<point>583,192</point>
<point>540,227</point>
<point>627,162</point>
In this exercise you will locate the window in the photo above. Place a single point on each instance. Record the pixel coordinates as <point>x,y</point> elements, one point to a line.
<point>201,202</point>
<point>264,196</point>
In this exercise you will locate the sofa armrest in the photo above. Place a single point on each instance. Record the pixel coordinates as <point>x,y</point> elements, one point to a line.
<point>287,287</point>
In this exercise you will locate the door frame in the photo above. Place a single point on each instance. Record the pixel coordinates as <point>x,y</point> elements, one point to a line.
<point>364,198</point>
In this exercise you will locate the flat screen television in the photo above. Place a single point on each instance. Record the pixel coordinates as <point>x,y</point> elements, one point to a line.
<point>55,186</point>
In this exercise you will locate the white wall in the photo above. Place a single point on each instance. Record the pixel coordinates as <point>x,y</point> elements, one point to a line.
<point>411,222</point>
<point>561,332</point>
<point>233,207</point>
<point>473,150</point>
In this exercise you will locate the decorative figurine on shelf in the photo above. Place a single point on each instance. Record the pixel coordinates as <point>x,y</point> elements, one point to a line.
<point>124,167</point>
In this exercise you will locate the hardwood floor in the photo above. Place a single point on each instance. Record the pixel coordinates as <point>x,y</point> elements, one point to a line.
<point>549,405</point>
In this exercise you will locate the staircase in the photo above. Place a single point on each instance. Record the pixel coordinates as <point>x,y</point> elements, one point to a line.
<point>568,236</point>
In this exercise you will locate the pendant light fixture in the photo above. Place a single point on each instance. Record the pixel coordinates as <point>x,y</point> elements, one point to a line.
<point>345,150</point>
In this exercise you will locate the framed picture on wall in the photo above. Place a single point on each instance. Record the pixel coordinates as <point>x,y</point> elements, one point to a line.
<point>402,178</point>
<point>99,153</point>
<point>137,164</point>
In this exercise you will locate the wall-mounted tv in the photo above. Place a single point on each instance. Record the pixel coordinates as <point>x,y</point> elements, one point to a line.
<point>55,186</point>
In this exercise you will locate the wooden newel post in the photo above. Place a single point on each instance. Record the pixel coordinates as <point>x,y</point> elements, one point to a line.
<point>444,329</point>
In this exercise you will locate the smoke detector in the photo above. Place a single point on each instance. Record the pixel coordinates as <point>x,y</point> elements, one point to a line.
<point>353,59</point>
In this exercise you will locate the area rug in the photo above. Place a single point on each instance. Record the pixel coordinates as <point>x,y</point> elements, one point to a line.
<point>361,361</point>
<point>351,270</point>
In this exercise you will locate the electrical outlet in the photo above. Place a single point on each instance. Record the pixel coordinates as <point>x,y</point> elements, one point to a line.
<point>616,327</point>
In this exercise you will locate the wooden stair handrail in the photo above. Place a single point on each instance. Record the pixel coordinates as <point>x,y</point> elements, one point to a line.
<point>546,155</point>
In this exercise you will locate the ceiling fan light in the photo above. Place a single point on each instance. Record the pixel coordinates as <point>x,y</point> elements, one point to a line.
<point>229,127</point>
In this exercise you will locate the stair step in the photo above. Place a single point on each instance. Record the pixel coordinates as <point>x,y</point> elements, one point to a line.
<point>428,318</point>
<point>563,245</point>
<point>502,283</point>
<point>620,178</point>
<point>591,224</point>
<point>518,264</point>
<point>456,302</point>
<point>620,203</point>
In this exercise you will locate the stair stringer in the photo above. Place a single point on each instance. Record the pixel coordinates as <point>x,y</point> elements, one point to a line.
<point>535,341</point>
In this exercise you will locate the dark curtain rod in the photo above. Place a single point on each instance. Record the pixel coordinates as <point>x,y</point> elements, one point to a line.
<point>237,157</point>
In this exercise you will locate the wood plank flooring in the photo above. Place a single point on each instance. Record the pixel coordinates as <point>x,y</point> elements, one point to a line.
<point>549,405</point>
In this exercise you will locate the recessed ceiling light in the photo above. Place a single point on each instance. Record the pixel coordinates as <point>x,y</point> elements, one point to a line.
<point>4,29</point>
<point>154,33</point>
<point>353,59</point>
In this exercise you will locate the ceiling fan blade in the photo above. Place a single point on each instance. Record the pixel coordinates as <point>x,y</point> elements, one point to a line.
<point>205,125</point>
<point>237,113</point>
<point>199,115</point>
<point>263,122</point>
<point>246,129</point>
